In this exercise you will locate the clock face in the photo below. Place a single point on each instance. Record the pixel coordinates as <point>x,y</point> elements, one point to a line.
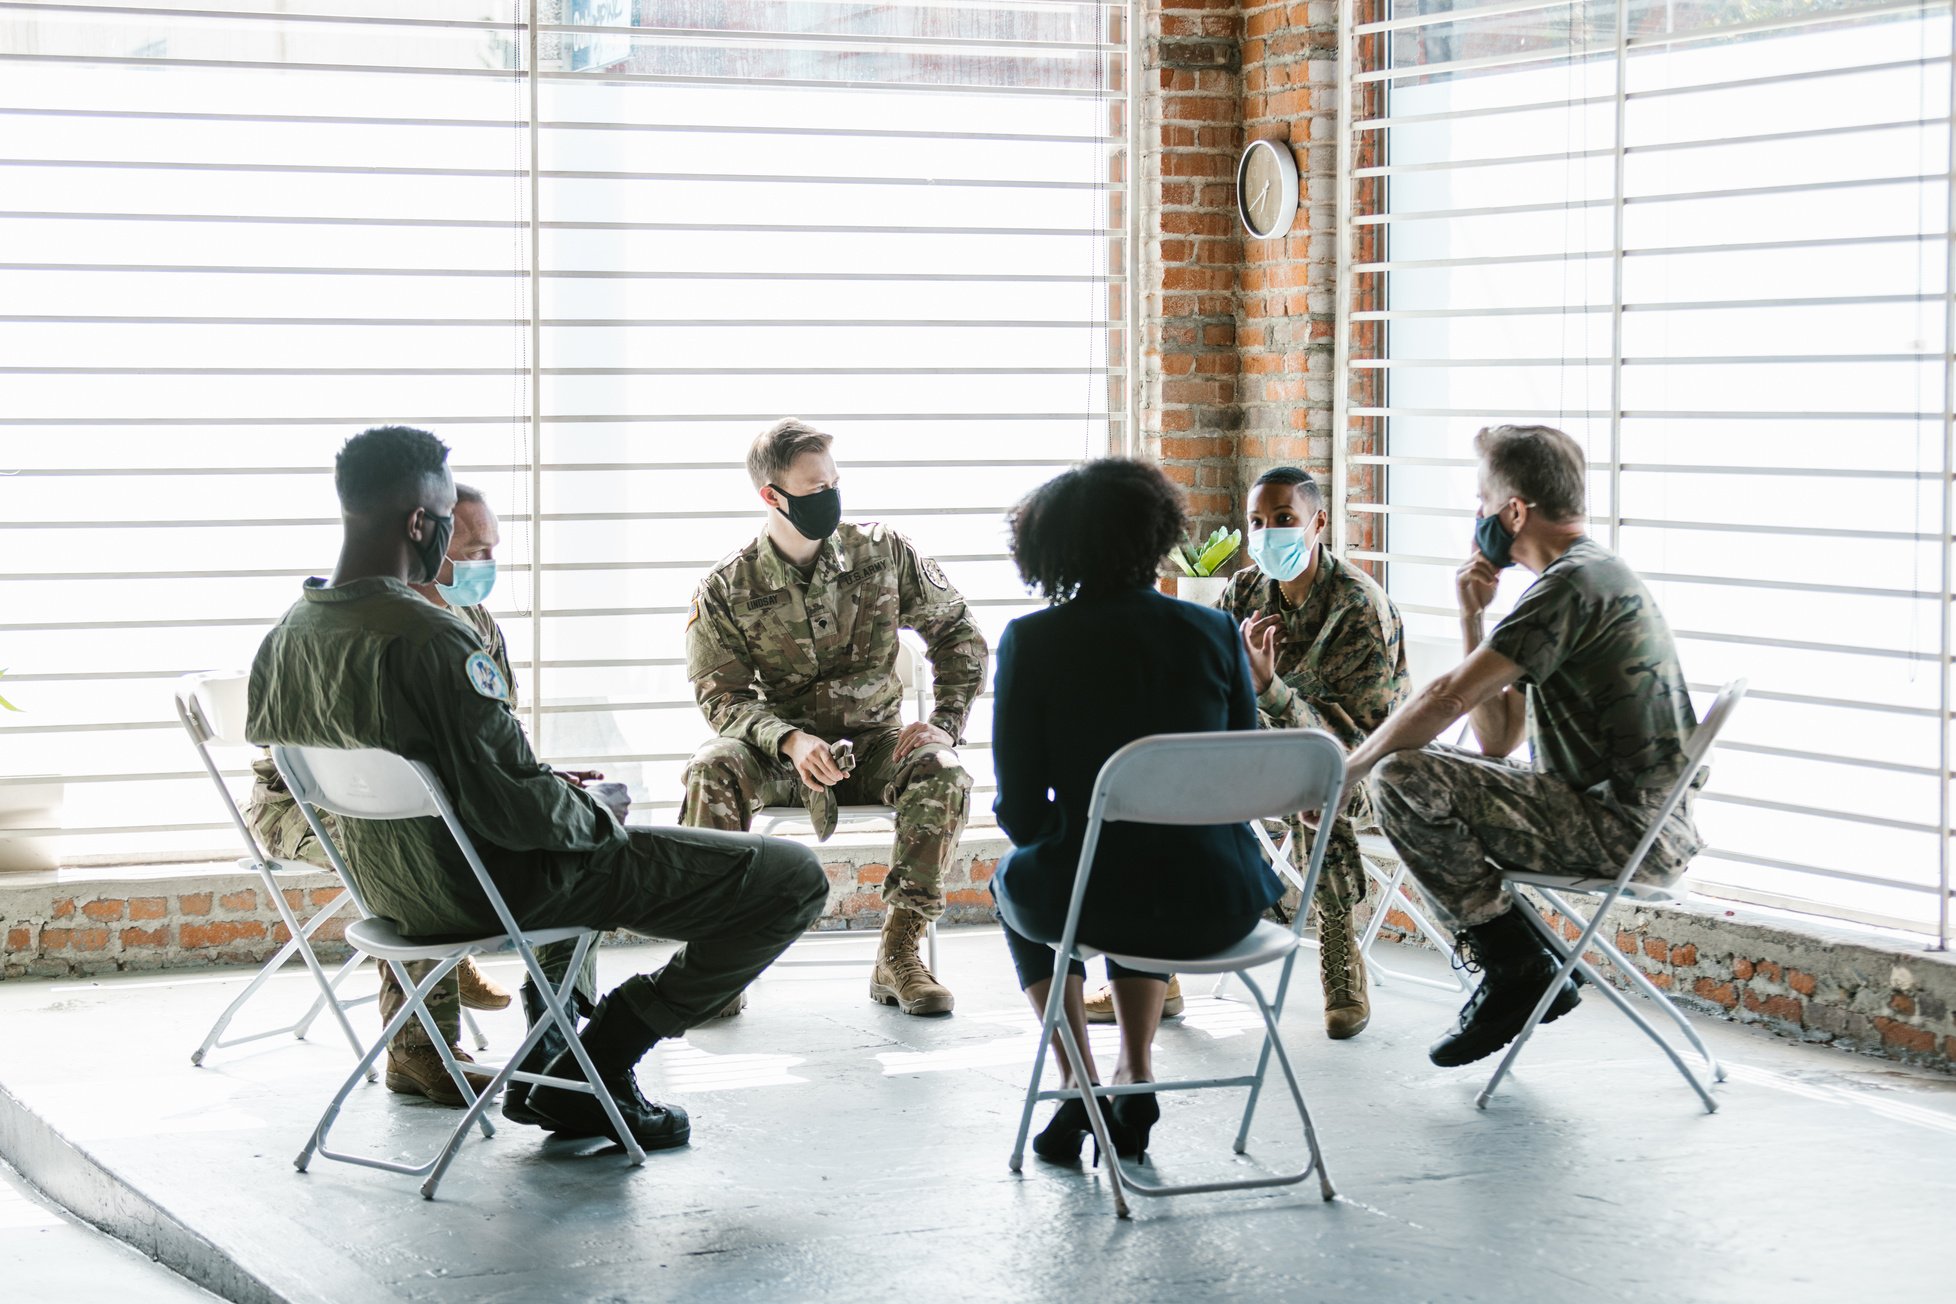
<point>1266,189</point>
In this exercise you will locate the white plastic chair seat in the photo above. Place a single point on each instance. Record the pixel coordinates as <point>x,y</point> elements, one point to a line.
<point>1266,944</point>
<point>772,820</point>
<point>1651,893</point>
<point>379,938</point>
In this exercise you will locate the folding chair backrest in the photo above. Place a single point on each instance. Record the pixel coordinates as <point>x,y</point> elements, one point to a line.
<point>213,702</point>
<point>362,783</point>
<point>1715,719</point>
<point>369,784</point>
<point>1221,778</point>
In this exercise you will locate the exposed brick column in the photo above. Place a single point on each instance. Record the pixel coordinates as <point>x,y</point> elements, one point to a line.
<point>1191,133</point>
<point>1287,290</point>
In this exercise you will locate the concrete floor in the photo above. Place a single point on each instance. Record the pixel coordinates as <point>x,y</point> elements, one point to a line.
<point>842,1151</point>
<point>49,1254</point>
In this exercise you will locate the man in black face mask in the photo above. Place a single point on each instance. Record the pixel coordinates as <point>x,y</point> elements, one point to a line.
<point>1586,669</point>
<point>792,648</point>
<point>362,660</point>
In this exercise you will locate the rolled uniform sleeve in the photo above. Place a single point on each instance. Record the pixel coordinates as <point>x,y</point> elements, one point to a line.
<point>928,603</point>
<point>503,793</point>
<point>1543,629</point>
<point>724,684</point>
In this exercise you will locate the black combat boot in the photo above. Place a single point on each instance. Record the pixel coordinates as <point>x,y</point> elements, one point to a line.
<point>1515,966</point>
<point>616,1039</point>
<point>516,1096</point>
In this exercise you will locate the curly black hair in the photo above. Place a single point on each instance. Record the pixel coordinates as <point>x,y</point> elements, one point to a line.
<point>386,467</point>
<point>1097,528</point>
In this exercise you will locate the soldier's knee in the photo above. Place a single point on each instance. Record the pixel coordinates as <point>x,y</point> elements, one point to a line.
<point>718,761</point>
<point>1396,769</point>
<point>800,877</point>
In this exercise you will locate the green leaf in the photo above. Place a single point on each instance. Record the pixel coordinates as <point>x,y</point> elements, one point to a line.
<point>4,702</point>
<point>1221,547</point>
<point>1182,561</point>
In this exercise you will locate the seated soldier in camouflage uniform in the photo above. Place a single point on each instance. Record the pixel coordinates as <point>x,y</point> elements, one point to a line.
<point>792,648</point>
<point>363,660</point>
<point>1585,668</point>
<point>1327,651</point>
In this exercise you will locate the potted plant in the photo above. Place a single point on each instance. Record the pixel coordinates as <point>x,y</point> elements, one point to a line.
<point>1200,562</point>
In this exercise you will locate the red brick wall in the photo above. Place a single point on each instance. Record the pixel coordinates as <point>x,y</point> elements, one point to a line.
<point>1192,130</point>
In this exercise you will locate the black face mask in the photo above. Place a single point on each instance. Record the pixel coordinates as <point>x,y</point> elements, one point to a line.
<point>432,553</point>
<point>815,515</point>
<point>1495,540</point>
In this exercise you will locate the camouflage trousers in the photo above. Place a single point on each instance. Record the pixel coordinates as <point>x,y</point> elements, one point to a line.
<point>1462,819</point>
<point>281,829</point>
<point>1341,883</point>
<point>727,781</point>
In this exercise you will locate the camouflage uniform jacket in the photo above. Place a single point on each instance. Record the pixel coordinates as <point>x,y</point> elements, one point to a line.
<point>275,816</point>
<point>770,651</point>
<point>373,664</point>
<point>1341,653</point>
<point>1609,711</point>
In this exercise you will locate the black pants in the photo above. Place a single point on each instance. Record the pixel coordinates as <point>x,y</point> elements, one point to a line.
<point>1029,933</point>
<point>737,900</point>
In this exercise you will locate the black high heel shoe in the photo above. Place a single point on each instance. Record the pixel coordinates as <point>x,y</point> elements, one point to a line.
<point>1132,1118</point>
<point>1068,1130</point>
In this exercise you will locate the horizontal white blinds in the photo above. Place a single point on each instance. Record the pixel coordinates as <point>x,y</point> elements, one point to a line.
<point>229,238</point>
<point>1710,241</point>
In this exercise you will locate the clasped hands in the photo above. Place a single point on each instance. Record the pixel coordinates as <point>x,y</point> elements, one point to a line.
<point>814,759</point>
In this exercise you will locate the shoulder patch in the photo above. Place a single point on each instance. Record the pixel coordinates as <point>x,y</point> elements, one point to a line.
<point>485,678</point>
<point>693,615</point>
<point>935,573</point>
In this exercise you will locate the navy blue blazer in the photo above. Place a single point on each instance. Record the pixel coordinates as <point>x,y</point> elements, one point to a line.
<point>1075,683</point>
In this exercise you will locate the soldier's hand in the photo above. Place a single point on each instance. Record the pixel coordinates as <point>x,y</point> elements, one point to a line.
<point>1260,642</point>
<point>921,734</point>
<point>579,778</point>
<point>1475,583</point>
<point>812,759</point>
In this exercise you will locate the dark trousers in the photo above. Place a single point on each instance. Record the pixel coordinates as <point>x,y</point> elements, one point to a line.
<point>737,900</point>
<point>1030,932</point>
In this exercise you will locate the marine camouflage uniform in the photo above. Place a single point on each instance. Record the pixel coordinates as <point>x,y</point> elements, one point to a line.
<point>771,651</point>
<point>1609,715</point>
<point>283,832</point>
<point>1341,667</point>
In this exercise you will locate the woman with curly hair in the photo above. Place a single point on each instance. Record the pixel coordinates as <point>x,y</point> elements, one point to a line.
<point>1109,661</point>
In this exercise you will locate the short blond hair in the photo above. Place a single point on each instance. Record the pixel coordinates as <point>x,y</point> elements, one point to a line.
<point>776,448</point>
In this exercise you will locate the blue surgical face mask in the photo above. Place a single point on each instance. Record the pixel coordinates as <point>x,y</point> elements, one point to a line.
<point>1495,540</point>
<point>473,582</point>
<point>1282,554</point>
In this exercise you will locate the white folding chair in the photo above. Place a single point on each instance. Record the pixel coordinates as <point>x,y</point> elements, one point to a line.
<point>212,708</point>
<point>913,672</point>
<point>1247,776</point>
<point>1608,890</point>
<point>369,784</point>
<point>1396,892</point>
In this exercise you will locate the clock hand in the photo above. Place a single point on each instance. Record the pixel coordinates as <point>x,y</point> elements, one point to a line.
<point>1258,201</point>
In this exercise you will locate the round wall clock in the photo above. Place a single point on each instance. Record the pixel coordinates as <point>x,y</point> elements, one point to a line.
<point>1266,189</point>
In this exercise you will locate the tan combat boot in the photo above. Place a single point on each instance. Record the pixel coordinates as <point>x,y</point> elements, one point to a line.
<point>418,1071</point>
<point>479,991</point>
<point>1347,1009</point>
<point>1100,1004</point>
<point>901,978</point>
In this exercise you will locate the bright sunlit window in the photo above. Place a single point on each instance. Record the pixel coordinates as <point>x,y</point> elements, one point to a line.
<point>230,240</point>
<point>1708,240</point>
